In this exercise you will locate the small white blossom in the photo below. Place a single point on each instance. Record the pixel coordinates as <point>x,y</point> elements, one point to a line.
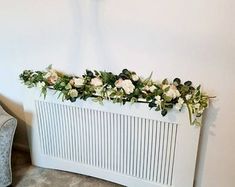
<point>188,96</point>
<point>135,77</point>
<point>96,82</point>
<point>78,82</point>
<point>158,100</point>
<point>197,106</point>
<point>73,93</point>
<point>152,88</point>
<point>178,106</point>
<point>180,101</point>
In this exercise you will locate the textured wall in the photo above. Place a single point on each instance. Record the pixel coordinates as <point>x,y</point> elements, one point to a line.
<point>188,39</point>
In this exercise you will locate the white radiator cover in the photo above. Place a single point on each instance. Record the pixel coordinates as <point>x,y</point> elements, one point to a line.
<point>130,145</point>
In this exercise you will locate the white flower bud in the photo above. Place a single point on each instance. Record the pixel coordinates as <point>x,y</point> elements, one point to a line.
<point>135,77</point>
<point>180,101</point>
<point>73,93</point>
<point>188,96</point>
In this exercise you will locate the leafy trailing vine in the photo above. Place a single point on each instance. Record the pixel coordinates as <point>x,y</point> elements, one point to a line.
<point>124,87</point>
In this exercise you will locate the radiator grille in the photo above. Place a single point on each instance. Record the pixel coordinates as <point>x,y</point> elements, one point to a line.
<point>130,145</point>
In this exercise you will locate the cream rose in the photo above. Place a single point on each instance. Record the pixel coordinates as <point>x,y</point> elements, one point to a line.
<point>96,82</point>
<point>126,85</point>
<point>118,83</point>
<point>78,82</point>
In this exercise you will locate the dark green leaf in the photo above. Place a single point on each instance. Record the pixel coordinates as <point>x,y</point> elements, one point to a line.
<point>188,83</point>
<point>164,112</point>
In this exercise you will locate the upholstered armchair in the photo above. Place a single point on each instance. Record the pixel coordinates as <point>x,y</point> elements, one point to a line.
<point>7,130</point>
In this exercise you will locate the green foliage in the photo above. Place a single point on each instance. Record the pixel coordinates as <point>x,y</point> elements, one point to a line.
<point>124,87</point>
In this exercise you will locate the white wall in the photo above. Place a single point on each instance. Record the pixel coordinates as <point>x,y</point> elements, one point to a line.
<point>189,39</point>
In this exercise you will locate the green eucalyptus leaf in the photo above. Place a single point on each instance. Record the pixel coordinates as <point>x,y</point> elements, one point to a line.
<point>176,81</point>
<point>164,112</point>
<point>188,83</point>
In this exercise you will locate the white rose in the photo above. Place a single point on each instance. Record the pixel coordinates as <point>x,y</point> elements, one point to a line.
<point>73,93</point>
<point>40,85</point>
<point>96,82</point>
<point>188,96</point>
<point>172,92</point>
<point>152,88</point>
<point>128,86</point>
<point>118,83</point>
<point>78,82</point>
<point>135,77</point>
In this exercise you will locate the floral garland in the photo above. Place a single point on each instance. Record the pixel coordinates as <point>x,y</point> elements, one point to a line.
<point>122,88</point>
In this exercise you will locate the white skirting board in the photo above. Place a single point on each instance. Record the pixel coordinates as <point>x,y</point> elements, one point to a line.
<point>130,145</point>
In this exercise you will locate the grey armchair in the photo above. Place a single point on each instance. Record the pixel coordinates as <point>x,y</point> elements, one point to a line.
<point>7,130</point>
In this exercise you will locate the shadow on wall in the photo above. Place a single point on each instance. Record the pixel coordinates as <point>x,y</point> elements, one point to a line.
<point>16,110</point>
<point>207,130</point>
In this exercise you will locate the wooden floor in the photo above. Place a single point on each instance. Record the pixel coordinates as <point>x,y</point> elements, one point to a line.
<point>26,175</point>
